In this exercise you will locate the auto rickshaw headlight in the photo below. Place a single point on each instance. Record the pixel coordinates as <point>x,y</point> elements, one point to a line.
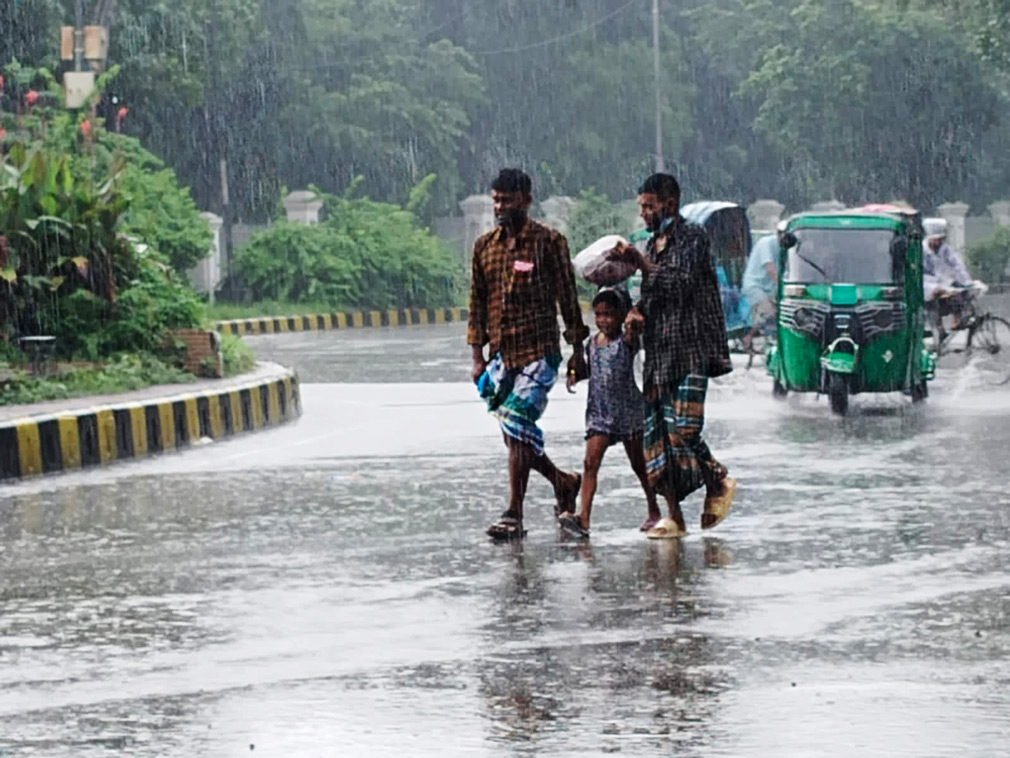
<point>794,290</point>
<point>891,293</point>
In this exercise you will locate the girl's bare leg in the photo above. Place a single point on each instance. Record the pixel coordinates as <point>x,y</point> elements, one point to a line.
<point>596,448</point>
<point>636,457</point>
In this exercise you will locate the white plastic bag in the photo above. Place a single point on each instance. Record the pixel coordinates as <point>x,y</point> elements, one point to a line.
<point>595,265</point>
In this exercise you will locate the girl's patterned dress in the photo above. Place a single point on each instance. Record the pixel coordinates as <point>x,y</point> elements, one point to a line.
<point>615,407</point>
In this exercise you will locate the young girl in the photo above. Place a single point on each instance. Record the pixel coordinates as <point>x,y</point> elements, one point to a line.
<point>614,409</point>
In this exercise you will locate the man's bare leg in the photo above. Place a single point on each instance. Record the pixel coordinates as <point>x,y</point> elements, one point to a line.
<point>565,484</point>
<point>521,457</point>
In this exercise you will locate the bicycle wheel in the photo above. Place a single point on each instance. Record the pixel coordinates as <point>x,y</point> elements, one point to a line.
<point>989,349</point>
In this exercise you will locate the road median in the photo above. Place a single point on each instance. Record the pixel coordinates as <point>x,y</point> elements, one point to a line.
<point>342,320</point>
<point>79,433</point>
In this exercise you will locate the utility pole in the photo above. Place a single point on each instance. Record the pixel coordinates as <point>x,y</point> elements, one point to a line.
<point>221,151</point>
<point>657,70</point>
<point>79,35</point>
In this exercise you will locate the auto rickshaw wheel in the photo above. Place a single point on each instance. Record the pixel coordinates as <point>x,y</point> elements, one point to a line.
<point>920,391</point>
<point>778,390</point>
<point>838,393</point>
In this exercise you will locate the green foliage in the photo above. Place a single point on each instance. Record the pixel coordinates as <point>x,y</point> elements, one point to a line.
<point>122,373</point>
<point>238,357</point>
<point>59,236</point>
<point>793,99</point>
<point>161,213</point>
<point>365,254</point>
<point>988,258</point>
<point>65,267</point>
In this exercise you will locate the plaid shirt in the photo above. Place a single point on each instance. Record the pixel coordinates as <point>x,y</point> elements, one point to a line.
<point>685,330</point>
<point>517,285</point>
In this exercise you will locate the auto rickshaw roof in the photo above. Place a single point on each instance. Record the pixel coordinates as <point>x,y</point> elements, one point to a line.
<point>849,219</point>
<point>700,212</point>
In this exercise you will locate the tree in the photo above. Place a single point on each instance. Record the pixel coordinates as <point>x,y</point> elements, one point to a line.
<point>856,99</point>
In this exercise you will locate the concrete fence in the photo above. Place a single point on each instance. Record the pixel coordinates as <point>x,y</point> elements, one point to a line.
<point>477,217</point>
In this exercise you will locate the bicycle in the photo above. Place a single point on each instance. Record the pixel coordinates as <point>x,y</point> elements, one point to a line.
<point>988,336</point>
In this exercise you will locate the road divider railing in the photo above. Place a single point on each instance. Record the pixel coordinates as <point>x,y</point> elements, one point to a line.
<point>342,320</point>
<point>101,435</point>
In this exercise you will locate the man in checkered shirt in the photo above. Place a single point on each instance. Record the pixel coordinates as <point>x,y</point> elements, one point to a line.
<point>680,316</point>
<point>521,276</point>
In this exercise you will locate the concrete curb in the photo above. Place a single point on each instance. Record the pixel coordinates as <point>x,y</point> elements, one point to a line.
<point>96,436</point>
<point>349,320</point>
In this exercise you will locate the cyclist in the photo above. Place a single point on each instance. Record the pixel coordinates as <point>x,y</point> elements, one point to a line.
<point>945,278</point>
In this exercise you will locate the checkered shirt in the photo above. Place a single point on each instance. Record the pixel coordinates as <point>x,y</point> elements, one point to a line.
<point>518,284</point>
<point>685,330</point>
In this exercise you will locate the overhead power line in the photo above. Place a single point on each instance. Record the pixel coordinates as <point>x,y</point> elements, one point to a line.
<point>560,37</point>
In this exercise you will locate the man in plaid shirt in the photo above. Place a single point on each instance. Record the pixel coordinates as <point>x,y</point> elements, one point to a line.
<point>684,330</point>
<point>522,274</point>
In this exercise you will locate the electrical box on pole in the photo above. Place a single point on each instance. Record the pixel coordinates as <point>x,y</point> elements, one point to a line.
<point>66,43</point>
<point>78,86</point>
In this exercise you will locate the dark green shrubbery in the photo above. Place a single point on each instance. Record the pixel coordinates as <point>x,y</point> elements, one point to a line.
<point>365,254</point>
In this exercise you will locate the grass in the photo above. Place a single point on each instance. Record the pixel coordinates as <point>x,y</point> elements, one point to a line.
<point>228,311</point>
<point>121,373</point>
<point>237,356</point>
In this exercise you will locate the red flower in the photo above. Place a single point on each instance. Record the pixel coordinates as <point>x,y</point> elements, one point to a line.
<point>121,114</point>
<point>86,128</point>
<point>31,97</point>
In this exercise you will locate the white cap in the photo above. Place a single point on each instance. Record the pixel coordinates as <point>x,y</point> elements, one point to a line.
<point>781,225</point>
<point>935,227</point>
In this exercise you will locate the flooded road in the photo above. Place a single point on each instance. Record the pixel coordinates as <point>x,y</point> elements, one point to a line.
<point>326,588</point>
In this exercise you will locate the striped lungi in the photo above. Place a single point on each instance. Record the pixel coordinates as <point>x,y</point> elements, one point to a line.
<point>677,459</point>
<point>518,397</point>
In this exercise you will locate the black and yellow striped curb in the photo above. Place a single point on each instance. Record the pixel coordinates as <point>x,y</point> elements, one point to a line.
<point>350,320</point>
<point>97,436</point>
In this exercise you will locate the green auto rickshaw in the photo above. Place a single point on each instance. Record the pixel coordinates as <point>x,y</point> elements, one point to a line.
<point>850,307</point>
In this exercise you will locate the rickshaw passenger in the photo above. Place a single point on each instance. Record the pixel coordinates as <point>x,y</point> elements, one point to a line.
<point>943,270</point>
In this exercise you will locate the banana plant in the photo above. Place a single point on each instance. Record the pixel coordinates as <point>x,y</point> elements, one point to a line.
<point>59,235</point>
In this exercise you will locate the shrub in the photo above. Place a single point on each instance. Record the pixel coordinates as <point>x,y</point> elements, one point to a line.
<point>365,254</point>
<point>237,356</point>
<point>988,257</point>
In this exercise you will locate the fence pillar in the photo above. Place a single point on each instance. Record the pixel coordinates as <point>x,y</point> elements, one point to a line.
<point>955,214</point>
<point>558,211</point>
<point>1000,211</point>
<point>206,275</point>
<point>303,206</point>
<point>764,215</point>
<point>478,218</point>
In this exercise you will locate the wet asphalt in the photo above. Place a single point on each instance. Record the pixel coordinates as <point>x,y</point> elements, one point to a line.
<point>326,589</point>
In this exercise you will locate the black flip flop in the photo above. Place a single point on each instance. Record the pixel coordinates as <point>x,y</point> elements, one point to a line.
<point>508,527</point>
<point>573,526</point>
